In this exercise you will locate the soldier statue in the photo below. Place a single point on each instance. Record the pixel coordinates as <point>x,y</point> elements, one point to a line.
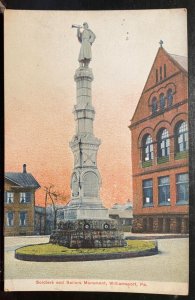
<point>86,38</point>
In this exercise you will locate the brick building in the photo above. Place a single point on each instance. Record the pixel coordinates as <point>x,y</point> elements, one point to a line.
<point>19,203</point>
<point>123,213</point>
<point>159,130</point>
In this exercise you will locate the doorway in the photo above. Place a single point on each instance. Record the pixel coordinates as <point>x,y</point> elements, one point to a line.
<point>150,225</point>
<point>167,225</point>
<point>160,224</point>
<point>178,225</point>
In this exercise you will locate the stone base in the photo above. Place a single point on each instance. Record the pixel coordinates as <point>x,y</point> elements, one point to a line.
<point>161,224</point>
<point>88,234</point>
<point>82,213</point>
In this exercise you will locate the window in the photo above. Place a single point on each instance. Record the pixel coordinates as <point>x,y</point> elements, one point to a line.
<point>181,137</point>
<point>169,97</point>
<point>25,197</point>
<point>162,101</point>
<point>154,105</point>
<point>9,197</point>
<point>147,148</point>
<point>165,71</point>
<point>164,190</point>
<point>147,186</point>
<point>23,216</point>
<point>163,143</point>
<point>10,218</point>
<point>182,185</point>
<point>156,75</point>
<point>160,73</point>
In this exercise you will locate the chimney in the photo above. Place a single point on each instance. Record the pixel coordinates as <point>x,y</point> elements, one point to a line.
<point>24,168</point>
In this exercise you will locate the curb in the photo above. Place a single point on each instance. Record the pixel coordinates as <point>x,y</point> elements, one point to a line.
<point>160,237</point>
<point>85,257</point>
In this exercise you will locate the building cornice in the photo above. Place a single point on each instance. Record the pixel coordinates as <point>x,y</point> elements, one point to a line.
<point>166,168</point>
<point>164,80</point>
<point>171,213</point>
<point>152,116</point>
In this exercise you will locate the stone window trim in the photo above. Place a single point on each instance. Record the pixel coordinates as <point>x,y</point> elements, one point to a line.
<point>148,205</point>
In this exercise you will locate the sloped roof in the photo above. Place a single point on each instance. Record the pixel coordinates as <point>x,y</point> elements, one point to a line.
<point>22,179</point>
<point>181,60</point>
<point>124,214</point>
<point>125,206</point>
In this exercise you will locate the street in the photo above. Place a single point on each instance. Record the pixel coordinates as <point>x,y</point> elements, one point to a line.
<point>170,265</point>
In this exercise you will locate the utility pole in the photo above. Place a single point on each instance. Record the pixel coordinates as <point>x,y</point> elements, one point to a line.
<point>47,191</point>
<point>45,214</point>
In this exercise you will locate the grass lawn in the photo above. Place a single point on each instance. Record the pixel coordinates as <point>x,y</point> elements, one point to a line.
<point>52,249</point>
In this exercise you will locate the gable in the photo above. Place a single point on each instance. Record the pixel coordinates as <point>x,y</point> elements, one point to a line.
<point>165,67</point>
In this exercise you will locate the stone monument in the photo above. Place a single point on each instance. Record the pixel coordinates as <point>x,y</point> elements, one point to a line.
<point>86,222</point>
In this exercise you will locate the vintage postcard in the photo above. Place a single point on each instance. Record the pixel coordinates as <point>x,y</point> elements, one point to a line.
<point>96,151</point>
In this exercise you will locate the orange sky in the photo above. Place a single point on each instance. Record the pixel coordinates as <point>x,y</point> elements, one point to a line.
<point>41,52</point>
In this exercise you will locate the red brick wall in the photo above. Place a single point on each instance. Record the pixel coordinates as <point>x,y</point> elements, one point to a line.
<point>143,123</point>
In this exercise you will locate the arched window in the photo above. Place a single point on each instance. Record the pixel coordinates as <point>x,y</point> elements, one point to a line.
<point>169,97</point>
<point>181,137</point>
<point>162,101</point>
<point>147,148</point>
<point>163,143</point>
<point>154,105</point>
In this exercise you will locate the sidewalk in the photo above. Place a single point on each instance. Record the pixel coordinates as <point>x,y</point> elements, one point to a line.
<point>151,236</point>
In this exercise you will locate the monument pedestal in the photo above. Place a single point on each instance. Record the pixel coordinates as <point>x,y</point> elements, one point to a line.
<point>86,222</point>
<point>88,234</point>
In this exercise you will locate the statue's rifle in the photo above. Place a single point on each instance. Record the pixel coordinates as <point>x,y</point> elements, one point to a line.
<point>76,26</point>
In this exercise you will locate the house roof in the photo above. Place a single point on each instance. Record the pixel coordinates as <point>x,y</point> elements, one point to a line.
<point>22,179</point>
<point>181,60</point>
<point>126,206</point>
<point>124,214</point>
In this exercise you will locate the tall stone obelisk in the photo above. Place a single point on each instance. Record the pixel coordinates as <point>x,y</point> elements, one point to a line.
<point>86,222</point>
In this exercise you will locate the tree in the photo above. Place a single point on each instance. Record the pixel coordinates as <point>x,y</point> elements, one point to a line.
<point>55,197</point>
